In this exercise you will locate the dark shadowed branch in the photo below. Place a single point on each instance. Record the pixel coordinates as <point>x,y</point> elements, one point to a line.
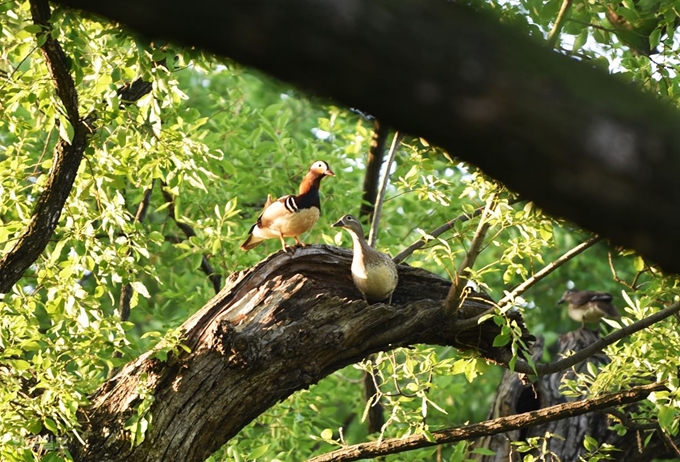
<point>584,145</point>
<point>66,160</point>
<point>374,161</point>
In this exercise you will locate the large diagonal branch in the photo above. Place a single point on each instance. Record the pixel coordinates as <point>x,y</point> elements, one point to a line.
<point>582,144</point>
<point>276,328</point>
<point>491,427</point>
<point>65,163</point>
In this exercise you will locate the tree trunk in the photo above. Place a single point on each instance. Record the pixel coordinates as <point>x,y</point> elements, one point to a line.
<point>274,329</point>
<point>515,396</point>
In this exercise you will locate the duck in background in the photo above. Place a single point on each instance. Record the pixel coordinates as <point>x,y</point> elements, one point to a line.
<point>589,306</point>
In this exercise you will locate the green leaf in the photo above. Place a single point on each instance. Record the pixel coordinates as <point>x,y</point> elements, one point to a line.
<point>65,129</point>
<point>639,263</point>
<point>33,28</point>
<point>580,40</point>
<point>140,288</point>
<point>51,425</point>
<point>654,38</point>
<point>260,451</point>
<point>666,416</point>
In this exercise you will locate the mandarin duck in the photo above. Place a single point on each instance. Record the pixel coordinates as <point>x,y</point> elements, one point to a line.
<point>290,216</point>
<point>589,305</point>
<point>374,273</point>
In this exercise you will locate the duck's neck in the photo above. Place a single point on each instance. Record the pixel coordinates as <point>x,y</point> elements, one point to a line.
<point>359,242</point>
<point>310,182</point>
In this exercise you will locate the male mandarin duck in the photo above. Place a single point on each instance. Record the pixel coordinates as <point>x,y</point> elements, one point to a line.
<point>589,305</point>
<point>290,216</point>
<point>374,273</point>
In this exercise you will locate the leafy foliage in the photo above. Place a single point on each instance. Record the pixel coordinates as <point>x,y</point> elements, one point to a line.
<point>216,139</point>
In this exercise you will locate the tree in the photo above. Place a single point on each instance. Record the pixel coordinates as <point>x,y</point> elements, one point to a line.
<point>178,156</point>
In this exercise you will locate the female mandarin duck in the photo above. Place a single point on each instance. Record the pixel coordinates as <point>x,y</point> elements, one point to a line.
<point>290,216</point>
<point>589,306</point>
<point>374,273</point>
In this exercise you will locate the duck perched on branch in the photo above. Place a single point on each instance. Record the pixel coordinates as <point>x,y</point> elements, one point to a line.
<point>291,216</point>
<point>374,273</point>
<point>589,305</point>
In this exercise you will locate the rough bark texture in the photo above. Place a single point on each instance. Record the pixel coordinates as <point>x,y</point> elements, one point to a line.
<point>515,396</point>
<point>586,146</point>
<point>272,330</point>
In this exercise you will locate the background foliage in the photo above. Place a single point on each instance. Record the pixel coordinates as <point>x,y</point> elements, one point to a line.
<point>217,138</point>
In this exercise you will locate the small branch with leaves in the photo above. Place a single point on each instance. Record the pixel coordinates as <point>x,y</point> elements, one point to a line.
<point>459,283</point>
<point>422,242</point>
<point>206,267</point>
<point>127,290</point>
<point>491,427</point>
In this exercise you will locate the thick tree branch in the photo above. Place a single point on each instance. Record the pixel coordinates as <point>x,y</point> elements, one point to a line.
<point>582,144</point>
<point>67,157</point>
<point>491,427</point>
<point>276,328</point>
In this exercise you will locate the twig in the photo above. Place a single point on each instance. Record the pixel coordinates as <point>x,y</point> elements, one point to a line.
<point>420,243</point>
<point>628,422</point>
<point>491,427</point>
<point>549,268</point>
<point>559,22</point>
<point>452,302</point>
<point>206,267</point>
<point>376,155</point>
<point>373,234</point>
<point>633,285</point>
<point>523,287</point>
<point>668,440</point>
<point>127,290</point>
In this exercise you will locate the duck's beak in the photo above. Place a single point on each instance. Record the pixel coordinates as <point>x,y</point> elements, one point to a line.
<point>560,301</point>
<point>338,223</point>
<point>329,172</point>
